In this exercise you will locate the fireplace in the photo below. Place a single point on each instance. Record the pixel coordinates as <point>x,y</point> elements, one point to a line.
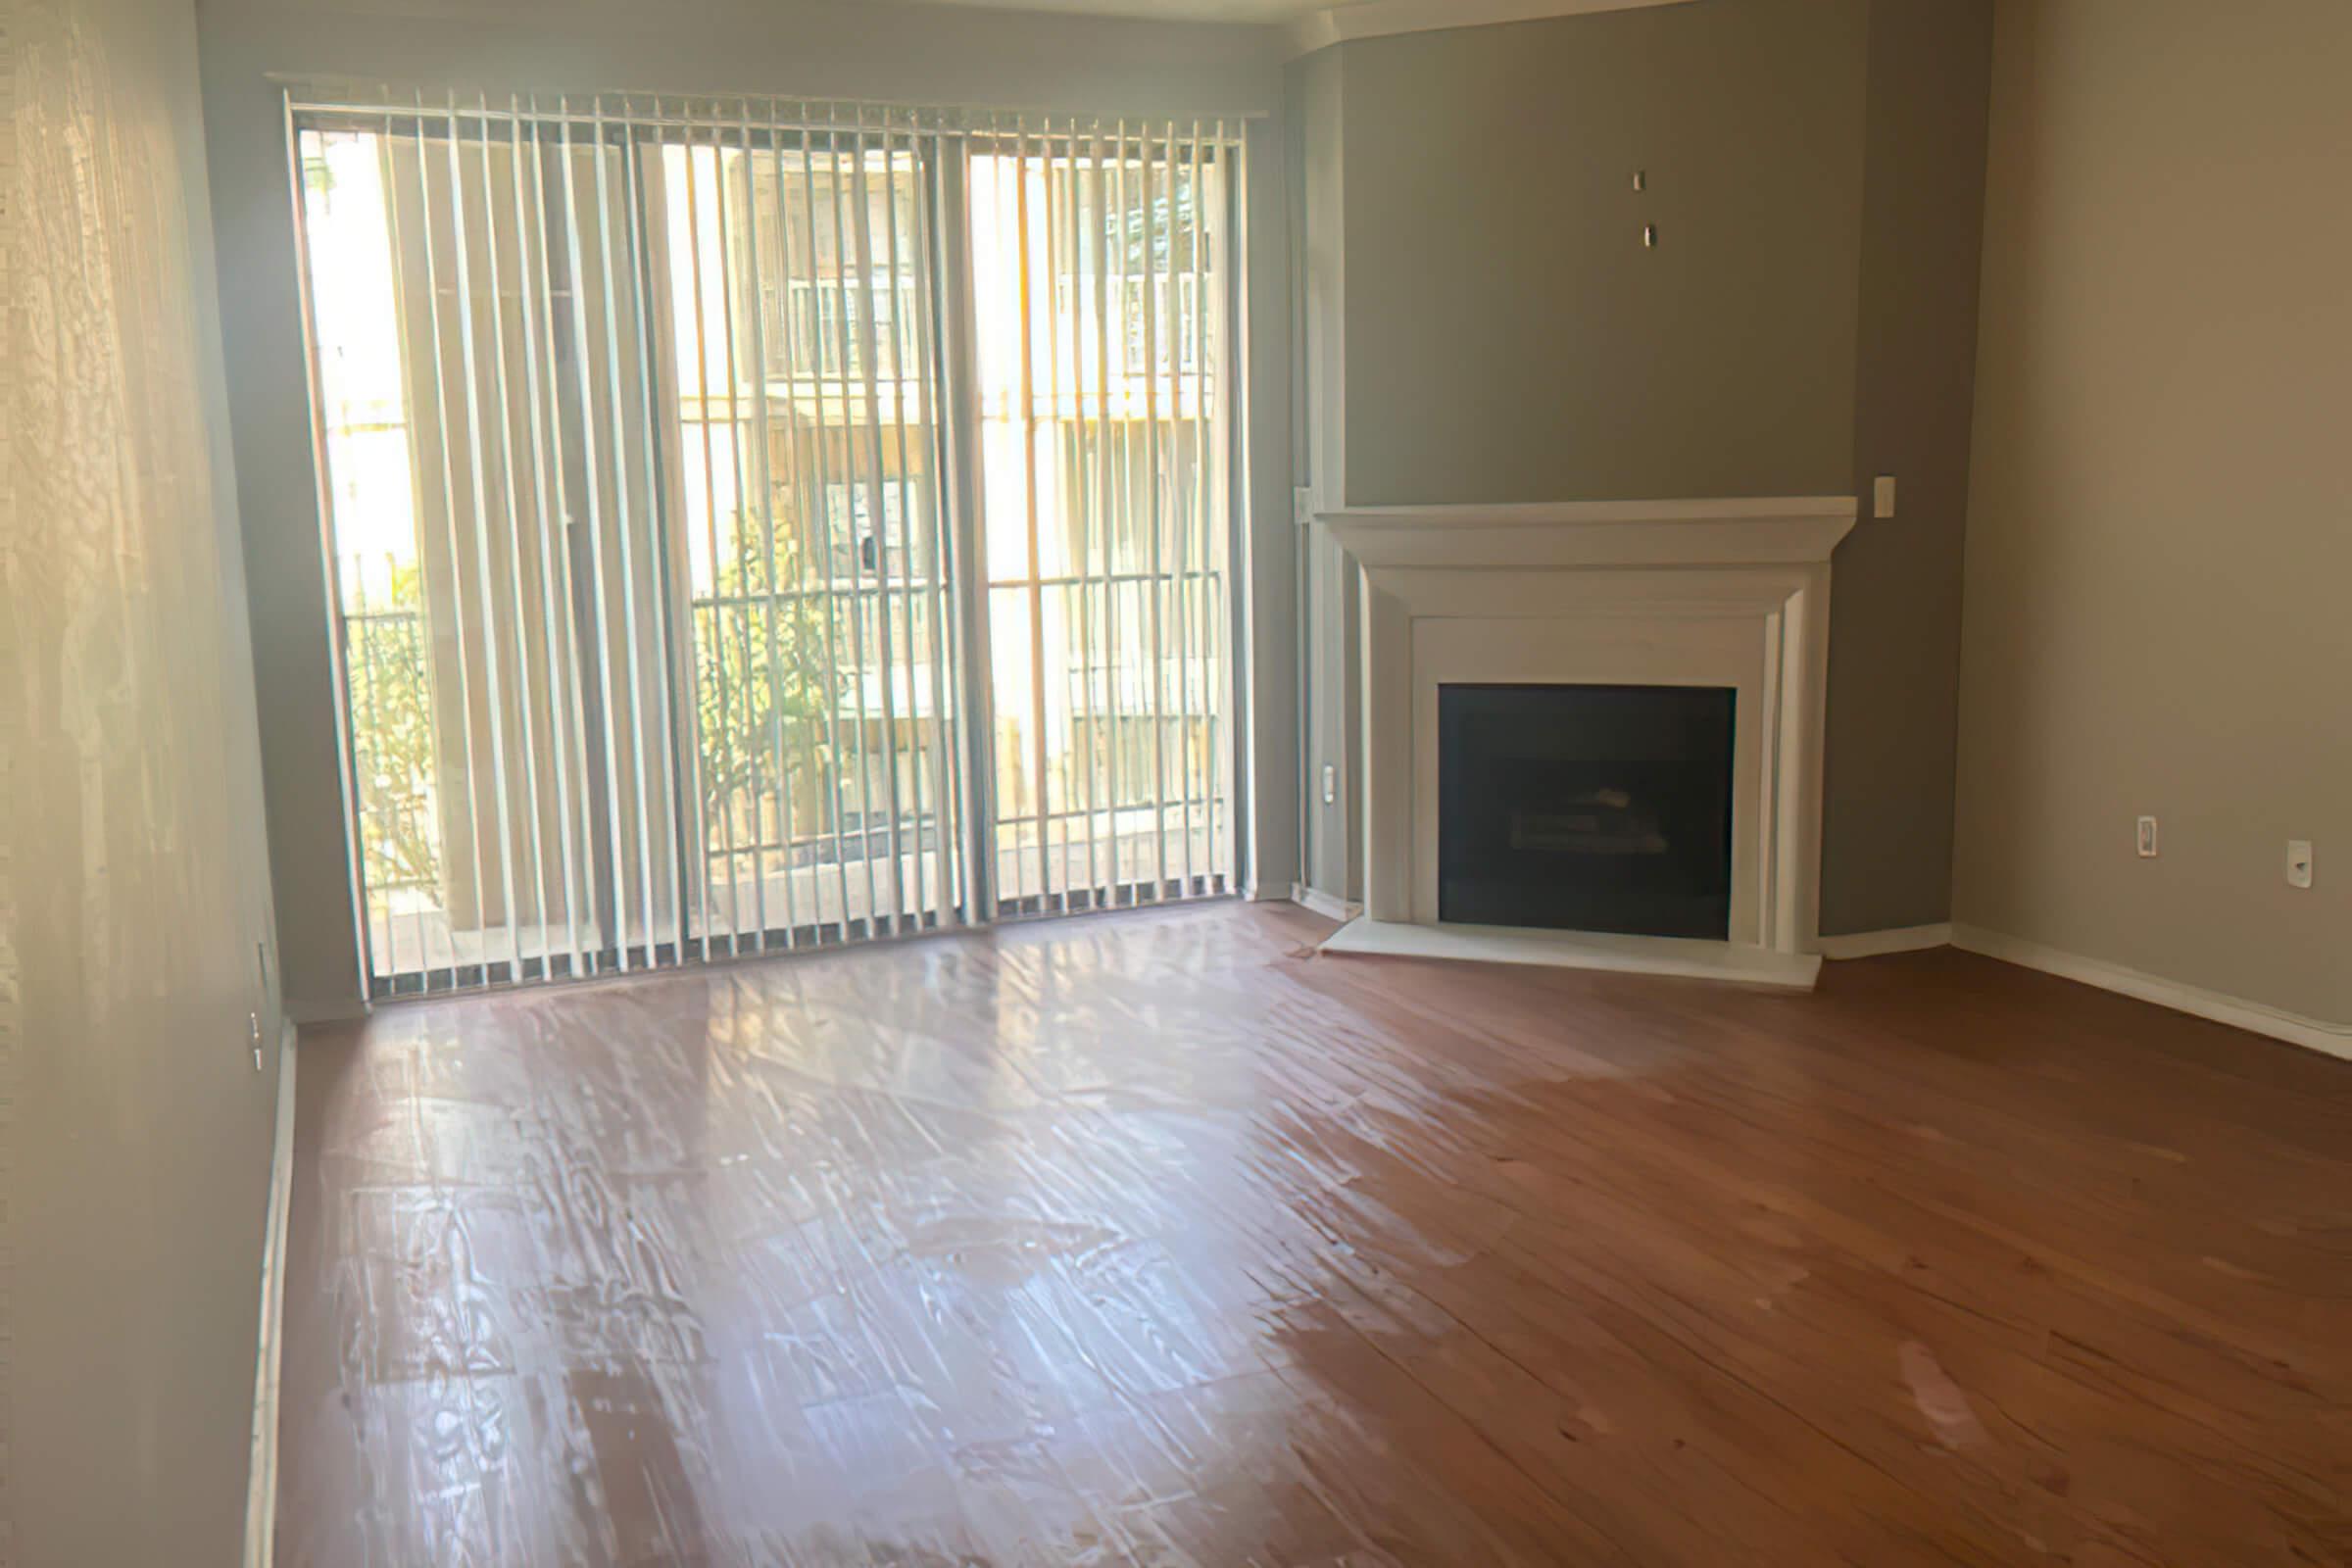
<point>1586,808</point>
<point>1591,732</point>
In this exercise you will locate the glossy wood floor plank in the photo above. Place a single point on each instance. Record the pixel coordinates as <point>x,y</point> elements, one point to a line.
<point>1154,1238</point>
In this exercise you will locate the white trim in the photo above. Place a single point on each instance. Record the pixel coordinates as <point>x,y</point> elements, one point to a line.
<point>1675,957</point>
<point>2313,1034</point>
<point>1329,905</point>
<point>261,1479</point>
<point>305,1013</point>
<point>1895,938</point>
<point>1375,18</point>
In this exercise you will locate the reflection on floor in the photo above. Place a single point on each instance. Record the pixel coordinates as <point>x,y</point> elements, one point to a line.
<point>409,934</point>
<point>1154,1239</point>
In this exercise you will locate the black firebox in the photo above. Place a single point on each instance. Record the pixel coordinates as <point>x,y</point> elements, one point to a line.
<point>1587,807</point>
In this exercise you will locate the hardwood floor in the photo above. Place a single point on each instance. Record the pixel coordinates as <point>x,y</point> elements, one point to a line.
<point>1154,1238</point>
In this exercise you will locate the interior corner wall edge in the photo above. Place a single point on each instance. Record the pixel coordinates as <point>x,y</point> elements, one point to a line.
<point>136,883</point>
<point>2158,536</point>
<point>819,48</point>
<point>1271,584</point>
<point>1893,727</point>
<point>1332,849</point>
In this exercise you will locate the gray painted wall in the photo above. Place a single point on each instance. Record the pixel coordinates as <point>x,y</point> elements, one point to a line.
<point>1508,338</point>
<point>1333,851</point>
<point>2160,518</point>
<point>1895,609</point>
<point>825,48</point>
<point>1814,169</point>
<point>133,884</point>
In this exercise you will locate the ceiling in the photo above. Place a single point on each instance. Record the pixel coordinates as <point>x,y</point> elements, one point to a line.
<point>1260,11</point>
<point>1314,23</point>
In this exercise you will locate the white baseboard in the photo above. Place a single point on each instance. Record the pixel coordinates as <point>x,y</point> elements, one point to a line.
<point>1899,939</point>
<point>260,1479</point>
<point>1324,903</point>
<point>2333,1039</point>
<point>302,1013</point>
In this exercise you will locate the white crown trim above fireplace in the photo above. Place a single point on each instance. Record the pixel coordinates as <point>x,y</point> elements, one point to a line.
<point>1729,592</point>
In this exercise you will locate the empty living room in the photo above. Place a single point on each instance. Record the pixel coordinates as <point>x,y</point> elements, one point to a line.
<point>1194,783</point>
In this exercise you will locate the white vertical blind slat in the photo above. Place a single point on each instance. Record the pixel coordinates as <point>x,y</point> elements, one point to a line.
<point>615,932</point>
<point>485,588</point>
<point>1076,466</point>
<point>1110,187</point>
<point>1197,563</point>
<point>449,516</point>
<point>821,502</point>
<point>771,605</point>
<point>857,669</point>
<point>547,504</point>
<point>877,513</point>
<point>903,389</point>
<point>697,638</point>
<point>611,252</point>
<point>509,485</point>
<point>1155,508</point>
<point>741,462</point>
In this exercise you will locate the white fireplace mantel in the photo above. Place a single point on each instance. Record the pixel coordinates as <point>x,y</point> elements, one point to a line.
<point>1729,592</point>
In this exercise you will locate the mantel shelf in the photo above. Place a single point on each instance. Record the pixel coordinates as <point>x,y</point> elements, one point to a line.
<point>1730,532</point>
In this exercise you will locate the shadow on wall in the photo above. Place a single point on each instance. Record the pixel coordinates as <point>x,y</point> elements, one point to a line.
<point>137,914</point>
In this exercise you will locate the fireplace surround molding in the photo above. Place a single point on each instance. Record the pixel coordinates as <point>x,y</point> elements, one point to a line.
<point>1716,592</point>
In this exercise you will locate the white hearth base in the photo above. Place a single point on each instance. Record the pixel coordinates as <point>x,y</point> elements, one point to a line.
<point>1678,957</point>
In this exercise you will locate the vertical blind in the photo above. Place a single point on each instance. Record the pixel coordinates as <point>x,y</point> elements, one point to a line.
<point>760,525</point>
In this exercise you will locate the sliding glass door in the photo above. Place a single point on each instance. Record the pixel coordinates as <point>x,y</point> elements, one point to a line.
<point>797,326</point>
<point>756,529</point>
<point>1099,258</point>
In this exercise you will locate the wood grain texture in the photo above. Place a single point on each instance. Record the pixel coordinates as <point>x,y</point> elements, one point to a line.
<point>1154,1239</point>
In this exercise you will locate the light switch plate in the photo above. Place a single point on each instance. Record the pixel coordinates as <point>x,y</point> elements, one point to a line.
<point>2298,862</point>
<point>1881,497</point>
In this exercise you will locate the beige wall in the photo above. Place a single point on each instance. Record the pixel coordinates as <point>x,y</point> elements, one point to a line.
<point>1807,319</point>
<point>2160,524</point>
<point>870,49</point>
<point>135,889</point>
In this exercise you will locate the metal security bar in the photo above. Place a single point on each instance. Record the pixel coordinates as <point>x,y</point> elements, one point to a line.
<point>666,483</point>
<point>1103,261</point>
